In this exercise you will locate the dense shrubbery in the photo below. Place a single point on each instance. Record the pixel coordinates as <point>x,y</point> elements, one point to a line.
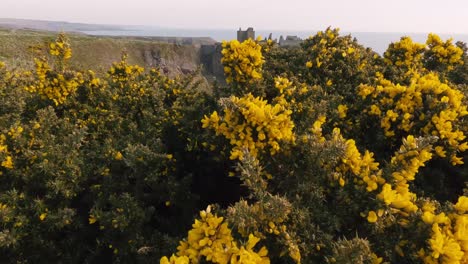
<point>90,166</point>
<point>308,155</point>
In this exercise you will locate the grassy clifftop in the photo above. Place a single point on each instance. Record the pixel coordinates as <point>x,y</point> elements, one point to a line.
<point>98,53</point>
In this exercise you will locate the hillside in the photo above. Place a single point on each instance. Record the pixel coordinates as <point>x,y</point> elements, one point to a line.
<point>98,53</point>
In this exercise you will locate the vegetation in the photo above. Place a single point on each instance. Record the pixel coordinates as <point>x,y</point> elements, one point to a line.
<point>307,155</point>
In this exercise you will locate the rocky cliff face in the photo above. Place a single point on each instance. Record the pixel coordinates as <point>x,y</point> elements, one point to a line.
<point>171,59</point>
<point>210,58</point>
<point>175,61</point>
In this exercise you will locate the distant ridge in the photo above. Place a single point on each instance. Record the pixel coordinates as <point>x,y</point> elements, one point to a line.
<point>54,25</point>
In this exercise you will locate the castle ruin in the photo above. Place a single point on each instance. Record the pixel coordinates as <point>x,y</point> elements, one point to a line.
<point>243,35</point>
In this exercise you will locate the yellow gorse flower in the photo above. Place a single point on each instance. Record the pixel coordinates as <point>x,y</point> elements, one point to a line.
<point>55,84</point>
<point>118,156</point>
<point>42,216</point>
<point>210,239</point>
<point>462,204</point>
<point>342,109</point>
<point>242,61</point>
<point>372,217</point>
<point>405,53</point>
<point>426,107</point>
<point>61,47</point>
<point>92,219</point>
<point>7,162</point>
<point>122,72</point>
<point>175,260</point>
<point>363,167</point>
<point>252,123</point>
<point>282,83</point>
<point>448,242</point>
<point>443,53</point>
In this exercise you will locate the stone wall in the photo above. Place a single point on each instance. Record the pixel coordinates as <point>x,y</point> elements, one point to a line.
<point>290,41</point>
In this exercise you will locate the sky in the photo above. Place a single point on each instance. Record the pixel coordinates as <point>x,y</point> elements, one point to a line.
<point>408,16</point>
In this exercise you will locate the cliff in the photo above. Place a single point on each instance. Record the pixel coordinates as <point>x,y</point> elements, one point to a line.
<point>98,52</point>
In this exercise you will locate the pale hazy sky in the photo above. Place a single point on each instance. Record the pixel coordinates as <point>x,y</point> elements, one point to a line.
<point>448,16</point>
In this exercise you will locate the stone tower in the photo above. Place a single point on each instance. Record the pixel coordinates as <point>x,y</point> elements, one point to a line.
<point>244,35</point>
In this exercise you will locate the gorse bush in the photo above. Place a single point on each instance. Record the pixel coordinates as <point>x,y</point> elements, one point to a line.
<point>87,172</point>
<point>310,154</point>
<point>335,186</point>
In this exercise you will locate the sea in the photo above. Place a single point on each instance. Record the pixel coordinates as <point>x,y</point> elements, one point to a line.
<point>378,41</point>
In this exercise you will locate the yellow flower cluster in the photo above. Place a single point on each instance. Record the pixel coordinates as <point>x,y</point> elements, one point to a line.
<point>288,94</point>
<point>363,167</point>
<point>15,131</point>
<point>342,109</point>
<point>211,239</point>
<point>410,158</point>
<point>405,53</point>
<point>267,223</point>
<point>316,128</point>
<point>322,50</point>
<point>175,94</point>
<point>394,193</point>
<point>462,205</point>
<point>443,52</point>
<point>407,162</point>
<point>282,83</point>
<point>372,216</point>
<point>426,107</point>
<point>175,260</point>
<point>242,61</point>
<point>6,159</point>
<point>252,123</point>
<point>326,47</point>
<point>448,243</point>
<point>122,72</point>
<point>266,46</point>
<point>61,48</point>
<point>246,254</point>
<point>53,85</point>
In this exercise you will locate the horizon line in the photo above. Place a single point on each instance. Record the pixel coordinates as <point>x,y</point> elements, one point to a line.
<point>234,29</point>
